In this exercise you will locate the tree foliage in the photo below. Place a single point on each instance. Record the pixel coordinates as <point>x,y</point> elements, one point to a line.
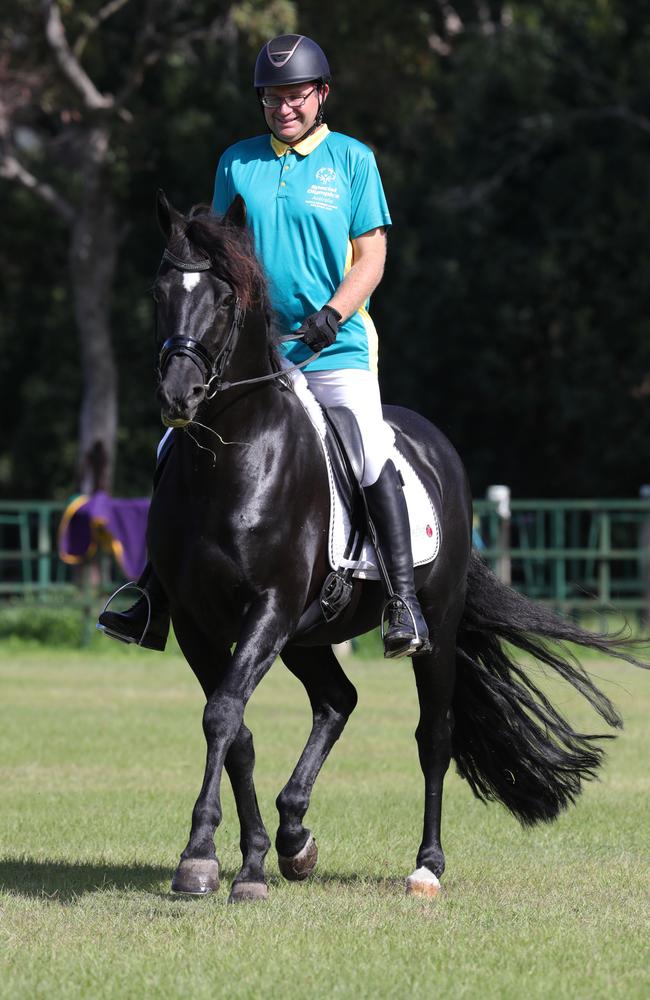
<point>514,146</point>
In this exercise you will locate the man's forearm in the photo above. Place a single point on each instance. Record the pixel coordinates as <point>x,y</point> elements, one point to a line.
<point>358,285</point>
<point>369,257</point>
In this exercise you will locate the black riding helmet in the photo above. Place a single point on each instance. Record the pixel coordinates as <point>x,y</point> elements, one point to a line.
<point>289,59</point>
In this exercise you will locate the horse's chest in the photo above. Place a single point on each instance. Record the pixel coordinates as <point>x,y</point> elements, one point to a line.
<point>198,550</point>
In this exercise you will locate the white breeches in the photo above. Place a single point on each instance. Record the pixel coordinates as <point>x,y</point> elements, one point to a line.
<point>359,391</point>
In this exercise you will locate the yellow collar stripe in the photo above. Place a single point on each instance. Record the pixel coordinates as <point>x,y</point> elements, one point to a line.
<point>305,146</point>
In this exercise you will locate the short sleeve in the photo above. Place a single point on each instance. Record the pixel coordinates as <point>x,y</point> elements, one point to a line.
<point>223,195</point>
<point>369,208</point>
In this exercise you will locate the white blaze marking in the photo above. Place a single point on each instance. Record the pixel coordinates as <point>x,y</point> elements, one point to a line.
<point>191,280</point>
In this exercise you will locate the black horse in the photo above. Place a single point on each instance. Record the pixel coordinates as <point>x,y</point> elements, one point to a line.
<point>237,537</point>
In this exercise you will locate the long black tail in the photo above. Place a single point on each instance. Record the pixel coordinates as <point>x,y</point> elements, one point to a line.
<point>509,742</point>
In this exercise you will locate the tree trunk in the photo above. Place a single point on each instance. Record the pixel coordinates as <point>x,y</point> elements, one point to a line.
<point>93,255</point>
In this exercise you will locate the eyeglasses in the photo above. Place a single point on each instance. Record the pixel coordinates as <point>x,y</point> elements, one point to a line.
<point>273,101</point>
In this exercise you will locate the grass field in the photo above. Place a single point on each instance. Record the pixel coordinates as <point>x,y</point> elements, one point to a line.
<point>101,759</point>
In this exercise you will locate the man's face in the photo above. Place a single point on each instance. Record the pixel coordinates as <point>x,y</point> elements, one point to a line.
<point>288,123</point>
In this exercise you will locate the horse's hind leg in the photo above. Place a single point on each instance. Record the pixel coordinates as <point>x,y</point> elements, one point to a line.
<point>333,698</point>
<point>434,678</point>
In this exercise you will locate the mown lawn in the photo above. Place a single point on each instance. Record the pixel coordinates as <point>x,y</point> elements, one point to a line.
<point>101,757</point>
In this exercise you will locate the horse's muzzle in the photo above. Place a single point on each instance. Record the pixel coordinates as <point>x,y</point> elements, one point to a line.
<point>179,401</point>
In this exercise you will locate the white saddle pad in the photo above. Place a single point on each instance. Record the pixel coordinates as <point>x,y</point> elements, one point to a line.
<point>425,530</point>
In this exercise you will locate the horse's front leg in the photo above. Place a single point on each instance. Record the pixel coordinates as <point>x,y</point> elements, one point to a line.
<point>263,634</point>
<point>250,882</point>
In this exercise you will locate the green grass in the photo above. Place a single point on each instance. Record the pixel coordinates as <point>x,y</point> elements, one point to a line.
<point>102,757</point>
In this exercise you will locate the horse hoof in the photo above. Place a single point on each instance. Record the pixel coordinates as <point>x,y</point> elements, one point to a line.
<point>248,892</point>
<point>196,877</point>
<point>302,864</point>
<point>423,883</point>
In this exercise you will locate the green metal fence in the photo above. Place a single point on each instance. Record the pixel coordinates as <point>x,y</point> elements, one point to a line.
<point>579,555</point>
<point>29,560</point>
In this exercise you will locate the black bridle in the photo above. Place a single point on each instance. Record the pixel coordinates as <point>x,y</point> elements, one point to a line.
<point>212,367</point>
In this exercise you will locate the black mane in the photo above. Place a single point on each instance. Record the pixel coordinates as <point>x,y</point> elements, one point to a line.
<point>231,249</point>
<point>232,252</point>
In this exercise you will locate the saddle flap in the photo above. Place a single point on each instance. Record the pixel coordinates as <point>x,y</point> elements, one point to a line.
<point>342,423</point>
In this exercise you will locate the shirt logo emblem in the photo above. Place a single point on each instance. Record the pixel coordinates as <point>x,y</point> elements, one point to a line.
<point>326,175</point>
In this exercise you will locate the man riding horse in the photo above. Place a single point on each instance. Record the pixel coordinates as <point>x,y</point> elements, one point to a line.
<point>318,214</point>
<point>238,532</point>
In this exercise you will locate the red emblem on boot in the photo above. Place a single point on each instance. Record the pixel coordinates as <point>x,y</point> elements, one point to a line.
<point>429,531</point>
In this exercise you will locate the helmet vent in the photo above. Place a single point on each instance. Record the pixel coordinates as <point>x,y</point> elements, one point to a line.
<point>280,55</point>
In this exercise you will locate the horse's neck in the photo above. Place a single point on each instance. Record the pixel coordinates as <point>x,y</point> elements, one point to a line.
<point>251,356</point>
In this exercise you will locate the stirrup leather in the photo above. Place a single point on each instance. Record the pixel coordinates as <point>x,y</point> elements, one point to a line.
<point>116,635</point>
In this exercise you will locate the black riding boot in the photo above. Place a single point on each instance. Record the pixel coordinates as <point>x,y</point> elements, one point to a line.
<point>145,622</point>
<point>406,632</point>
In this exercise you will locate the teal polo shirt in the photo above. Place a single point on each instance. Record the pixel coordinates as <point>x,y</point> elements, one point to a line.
<point>305,204</point>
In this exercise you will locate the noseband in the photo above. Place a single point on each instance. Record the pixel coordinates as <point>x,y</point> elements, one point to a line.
<point>211,366</point>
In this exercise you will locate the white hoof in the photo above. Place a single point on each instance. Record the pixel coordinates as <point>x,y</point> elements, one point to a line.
<point>423,883</point>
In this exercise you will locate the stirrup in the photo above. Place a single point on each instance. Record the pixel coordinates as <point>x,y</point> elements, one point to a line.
<point>396,599</point>
<point>116,635</point>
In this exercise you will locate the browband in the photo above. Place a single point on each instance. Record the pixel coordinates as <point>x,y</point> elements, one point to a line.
<point>186,265</point>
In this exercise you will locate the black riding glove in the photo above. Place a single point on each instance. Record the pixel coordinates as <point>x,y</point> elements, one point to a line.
<point>320,329</point>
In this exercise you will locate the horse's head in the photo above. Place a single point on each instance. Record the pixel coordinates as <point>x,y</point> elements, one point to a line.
<point>202,289</point>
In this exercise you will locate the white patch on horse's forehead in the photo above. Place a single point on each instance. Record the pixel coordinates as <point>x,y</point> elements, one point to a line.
<point>191,280</point>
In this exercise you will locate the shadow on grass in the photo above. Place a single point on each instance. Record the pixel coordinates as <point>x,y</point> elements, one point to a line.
<point>350,880</point>
<point>65,881</point>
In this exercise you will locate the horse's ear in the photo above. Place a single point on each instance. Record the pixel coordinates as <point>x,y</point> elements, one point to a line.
<point>236,214</point>
<point>168,218</point>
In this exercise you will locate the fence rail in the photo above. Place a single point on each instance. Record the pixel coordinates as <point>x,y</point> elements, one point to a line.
<point>29,560</point>
<point>577,555</point>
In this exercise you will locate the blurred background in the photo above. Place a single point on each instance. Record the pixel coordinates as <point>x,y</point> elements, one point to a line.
<point>513,140</point>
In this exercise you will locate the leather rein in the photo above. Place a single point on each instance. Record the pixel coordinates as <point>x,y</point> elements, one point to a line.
<point>212,367</point>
